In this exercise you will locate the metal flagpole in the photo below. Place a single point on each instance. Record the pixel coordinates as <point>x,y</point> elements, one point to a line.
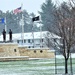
<point>5,25</point>
<point>22,23</point>
<point>22,29</point>
<point>34,19</point>
<point>40,36</point>
<point>33,34</point>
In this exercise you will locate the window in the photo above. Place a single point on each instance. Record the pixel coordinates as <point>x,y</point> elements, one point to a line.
<point>42,40</point>
<point>29,47</point>
<point>15,50</point>
<point>24,41</point>
<point>41,51</point>
<point>17,41</point>
<point>34,51</point>
<point>28,40</point>
<point>32,46</point>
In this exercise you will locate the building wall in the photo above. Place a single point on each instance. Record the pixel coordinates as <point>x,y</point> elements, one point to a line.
<point>29,43</point>
<point>11,49</point>
<point>36,53</point>
<point>23,51</point>
<point>7,50</point>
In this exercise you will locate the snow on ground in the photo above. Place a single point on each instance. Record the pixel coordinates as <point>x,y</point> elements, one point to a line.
<point>61,56</point>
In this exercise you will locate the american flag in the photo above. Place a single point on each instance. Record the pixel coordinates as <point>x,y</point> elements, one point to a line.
<point>18,10</point>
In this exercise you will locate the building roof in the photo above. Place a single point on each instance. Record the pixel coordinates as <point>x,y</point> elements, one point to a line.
<point>29,35</point>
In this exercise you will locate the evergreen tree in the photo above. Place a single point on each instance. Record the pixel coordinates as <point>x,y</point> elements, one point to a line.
<point>47,14</point>
<point>26,21</point>
<point>13,21</point>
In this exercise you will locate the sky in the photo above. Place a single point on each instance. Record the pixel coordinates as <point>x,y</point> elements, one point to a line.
<point>29,5</point>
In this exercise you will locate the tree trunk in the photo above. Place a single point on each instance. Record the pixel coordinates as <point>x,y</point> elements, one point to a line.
<point>66,66</point>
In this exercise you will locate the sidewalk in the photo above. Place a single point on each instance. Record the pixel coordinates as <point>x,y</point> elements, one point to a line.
<point>64,74</point>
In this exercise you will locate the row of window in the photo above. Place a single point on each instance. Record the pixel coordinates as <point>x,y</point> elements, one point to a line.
<point>34,51</point>
<point>41,51</point>
<point>29,41</point>
<point>35,46</point>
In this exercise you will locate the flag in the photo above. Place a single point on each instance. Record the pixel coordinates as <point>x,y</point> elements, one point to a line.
<point>2,20</point>
<point>35,18</point>
<point>18,10</point>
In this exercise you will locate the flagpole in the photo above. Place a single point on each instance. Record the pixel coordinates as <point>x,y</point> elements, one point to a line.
<point>41,36</point>
<point>5,25</point>
<point>34,19</point>
<point>23,28</point>
<point>33,34</point>
<point>22,25</point>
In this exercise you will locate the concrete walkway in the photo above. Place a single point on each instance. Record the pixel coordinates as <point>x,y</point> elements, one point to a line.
<point>13,58</point>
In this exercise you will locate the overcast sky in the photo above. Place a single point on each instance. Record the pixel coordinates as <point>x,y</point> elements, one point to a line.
<point>29,5</point>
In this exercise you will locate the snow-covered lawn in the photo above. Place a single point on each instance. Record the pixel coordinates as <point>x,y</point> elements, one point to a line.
<point>61,56</point>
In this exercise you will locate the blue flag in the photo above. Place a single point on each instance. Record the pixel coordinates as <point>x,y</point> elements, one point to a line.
<point>2,20</point>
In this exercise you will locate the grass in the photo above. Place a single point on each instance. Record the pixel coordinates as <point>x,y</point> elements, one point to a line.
<point>34,67</point>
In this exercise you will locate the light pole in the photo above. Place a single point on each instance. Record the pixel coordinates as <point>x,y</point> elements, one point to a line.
<point>55,57</point>
<point>71,64</point>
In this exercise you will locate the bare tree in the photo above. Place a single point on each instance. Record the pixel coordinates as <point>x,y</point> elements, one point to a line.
<point>65,23</point>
